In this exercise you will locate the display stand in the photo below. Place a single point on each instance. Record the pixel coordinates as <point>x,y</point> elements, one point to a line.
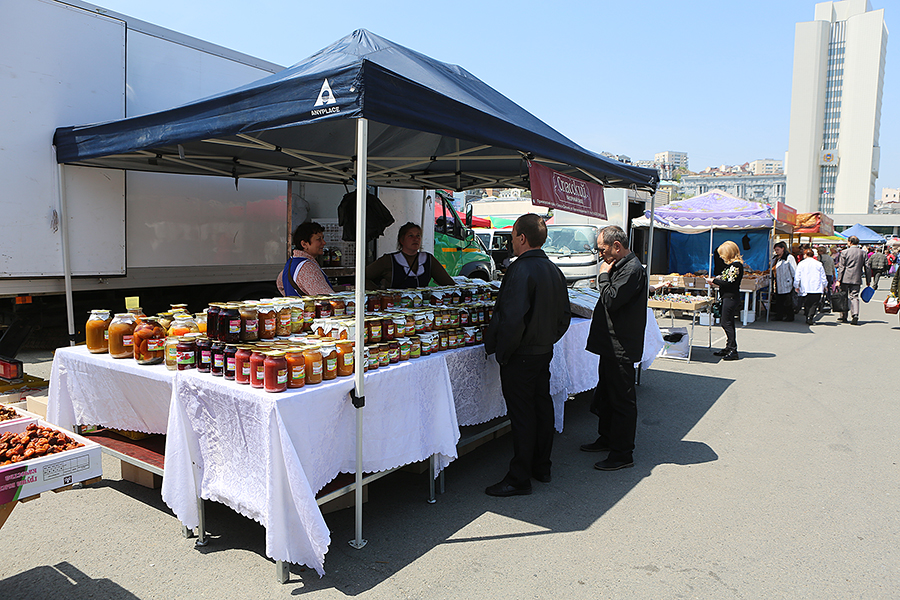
<point>694,308</point>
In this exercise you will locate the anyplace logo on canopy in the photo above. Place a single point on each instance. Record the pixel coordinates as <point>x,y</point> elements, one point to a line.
<point>326,96</point>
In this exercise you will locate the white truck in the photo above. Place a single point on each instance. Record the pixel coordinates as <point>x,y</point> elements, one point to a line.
<point>130,233</point>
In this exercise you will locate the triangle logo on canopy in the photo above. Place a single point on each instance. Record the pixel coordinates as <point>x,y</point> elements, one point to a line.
<point>326,96</point>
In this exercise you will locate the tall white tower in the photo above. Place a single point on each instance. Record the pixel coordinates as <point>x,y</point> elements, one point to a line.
<point>833,151</point>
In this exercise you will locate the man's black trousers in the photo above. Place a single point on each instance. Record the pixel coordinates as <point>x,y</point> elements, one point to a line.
<point>525,381</point>
<point>615,403</point>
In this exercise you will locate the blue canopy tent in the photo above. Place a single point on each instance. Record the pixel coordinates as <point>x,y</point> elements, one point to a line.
<point>363,111</point>
<point>865,235</point>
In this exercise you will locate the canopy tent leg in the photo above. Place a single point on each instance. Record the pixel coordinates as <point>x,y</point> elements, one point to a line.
<point>362,143</point>
<point>64,243</point>
<point>650,242</point>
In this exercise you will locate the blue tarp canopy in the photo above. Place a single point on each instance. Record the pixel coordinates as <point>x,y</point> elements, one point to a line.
<point>865,235</point>
<point>430,125</point>
<point>689,252</point>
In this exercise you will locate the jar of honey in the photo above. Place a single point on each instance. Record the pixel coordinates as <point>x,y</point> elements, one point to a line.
<point>296,365</point>
<point>267,320</point>
<point>249,322</point>
<point>242,364</point>
<point>121,336</point>
<point>257,368</point>
<point>275,372</point>
<point>344,359</point>
<point>200,319</point>
<point>149,342</point>
<point>96,331</point>
<point>313,359</point>
<point>171,347</point>
<point>329,361</point>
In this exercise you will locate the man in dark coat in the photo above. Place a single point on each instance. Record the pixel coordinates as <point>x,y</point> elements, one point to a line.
<point>617,335</point>
<point>850,271</point>
<point>531,314</point>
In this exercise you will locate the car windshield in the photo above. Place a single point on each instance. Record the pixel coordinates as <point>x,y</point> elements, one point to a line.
<point>570,240</point>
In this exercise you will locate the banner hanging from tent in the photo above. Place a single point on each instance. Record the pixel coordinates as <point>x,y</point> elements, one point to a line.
<point>555,190</point>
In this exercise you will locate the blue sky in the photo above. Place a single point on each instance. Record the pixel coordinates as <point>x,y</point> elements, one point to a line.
<point>712,79</point>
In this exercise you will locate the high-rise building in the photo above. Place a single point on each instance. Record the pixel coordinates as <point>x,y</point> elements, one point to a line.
<point>678,160</point>
<point>765,166</point>
<point>833,151</point>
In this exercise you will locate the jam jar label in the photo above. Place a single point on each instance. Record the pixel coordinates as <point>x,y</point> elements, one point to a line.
<point>298,373</point>
<point>268,324</point>
<point>348,359</point>
<point>282,376</point>
<point>218,360</point>
<point>317,367</point>
<point>284,320</point>
<point>234,326</point>
<point>376,331</point>
<point>155,345</point>
<point>260,372</point>
<point>106,334</point>
<point>245,369</point>
<point>204,357</point>
<point>230,363</point>
<point>339,312</point>
<point>394,354</point>
<point>128,340</point>
<point>185,358</point>
<point>325,312</point>
<point>251,325</point>
<point>331,364</point>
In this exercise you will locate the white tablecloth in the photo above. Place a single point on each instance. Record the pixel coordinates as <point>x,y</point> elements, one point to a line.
<point>96,389</point>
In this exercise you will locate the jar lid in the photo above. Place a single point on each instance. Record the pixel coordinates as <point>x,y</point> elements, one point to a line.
<point>96,311</point>
<point>275,353</point>
<point>124,315</point>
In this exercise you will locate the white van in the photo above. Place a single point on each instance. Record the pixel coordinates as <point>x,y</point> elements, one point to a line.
<point>573,248</point>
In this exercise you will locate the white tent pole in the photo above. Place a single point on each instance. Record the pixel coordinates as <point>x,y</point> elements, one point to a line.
<point>362,143</point>
<point>64,242</point>
<point>650,241</point>
<point>710,274</point>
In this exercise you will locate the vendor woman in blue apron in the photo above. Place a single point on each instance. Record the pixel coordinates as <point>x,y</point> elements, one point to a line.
<point>409,267</point>
<point>301,275</point>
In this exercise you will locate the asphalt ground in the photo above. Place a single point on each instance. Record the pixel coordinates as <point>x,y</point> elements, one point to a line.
<point>774,476</point>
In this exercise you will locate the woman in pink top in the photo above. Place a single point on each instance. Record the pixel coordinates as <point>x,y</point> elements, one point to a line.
<point>301,275</point>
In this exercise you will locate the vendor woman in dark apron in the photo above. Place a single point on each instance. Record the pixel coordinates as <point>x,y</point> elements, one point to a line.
<point>409,267</point>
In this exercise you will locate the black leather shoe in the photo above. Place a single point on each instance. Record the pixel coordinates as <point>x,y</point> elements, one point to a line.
<point>721,352</point>
<point>810,320</point>
<point>613,464</point>
<point>504,489</point>
<point>733,355</point>
<point>544,478</point>
<point>596,446</point>
<point>855,321</point>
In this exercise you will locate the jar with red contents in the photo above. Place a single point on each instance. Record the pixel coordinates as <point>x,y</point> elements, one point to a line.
<point>242,364</point>
<point>323,309</point>
<point>257,368</point>
<point>217,364</point>
<point>275,372</point>
<point>374,328</point>
<point>373,302</point>
<point>388,329</point>
<point>204,354</point>
<point>212,321</point>
<point>296,363</point>
<point>230,362</point>
<point>393,351</point>
<point>464,316</point>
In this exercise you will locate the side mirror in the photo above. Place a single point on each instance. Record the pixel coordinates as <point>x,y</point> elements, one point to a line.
<point>469,216</point>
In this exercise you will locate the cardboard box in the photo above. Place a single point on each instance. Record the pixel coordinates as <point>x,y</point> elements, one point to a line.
<point>37,405</point>
<point>659,304</point>
<point>32,477</point>
<point>141,476</point>
<point>751,316</point>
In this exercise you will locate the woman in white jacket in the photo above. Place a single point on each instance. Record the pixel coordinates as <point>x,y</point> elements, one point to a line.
<point>810,282</point>
<point>783,273</point>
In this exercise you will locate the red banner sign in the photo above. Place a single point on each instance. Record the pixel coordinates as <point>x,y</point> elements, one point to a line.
<point>785,213</point>
<point>555,190</point>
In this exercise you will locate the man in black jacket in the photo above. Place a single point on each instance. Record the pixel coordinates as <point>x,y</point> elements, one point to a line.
<point>617,335</point>
<point>531,314</point>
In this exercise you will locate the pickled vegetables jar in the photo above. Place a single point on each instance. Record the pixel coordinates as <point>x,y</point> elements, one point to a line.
<point>121,336</point>
<point>183,324</point>
<point>149,342</point>
<point>296,316</point>
<point>138,314</point>
<point>96,331</point>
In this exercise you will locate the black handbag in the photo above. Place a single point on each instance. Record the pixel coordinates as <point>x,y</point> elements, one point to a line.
<point>840,301</point>
<point>717,309</point>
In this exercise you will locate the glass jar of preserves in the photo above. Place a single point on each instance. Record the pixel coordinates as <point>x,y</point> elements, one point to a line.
<point>283,324</point>
<point>267,320</point>
<point>415,347</point>
<point>429,320</point>
<point>230,323</point>
<point>296,365</point>
<point>186,353</point>
<point>479,334</point>
<point>230,362</point>
<point>466,295</point>
<point>374,327</point>
<point>149,342</point>
<point>420,322</point>
<point>165,319</point>
<point>217,365</point>
<point>344,359</point>
<point>138,313</point>
<point>249,322</point>
<point>372,354</point>
<point>451,339</point>
<point>463,316</point>
<point>454,296</point>
<point>444,340</point>
<point>313,359</point>
<point>454,318</point>
<point>121,336</point>
<point>387,301</point>
<point>242,365</point>
<point>309,313</point>
<point>350,307</point>
<point>171,347</point>
<point>204,354</point>
<point>404,348</point>
<point>257,368</point>
<point>426,342</point>
<point>393,352</point>
<point>323,308</point>
<point>338,307</point>
<point>384,355</point>
<point>388,329</point>
<point>96,331</point>
<point>329,361</point>
<point>469,333</point>
<point>200,319</point>
<point>178,308</point>
<point>212,321</point>
<point>275,372</point>
<point>183,324</point>
<point>296,317</point>
<point>373,302</point>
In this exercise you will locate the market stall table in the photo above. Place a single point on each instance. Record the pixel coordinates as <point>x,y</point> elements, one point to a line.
<point>696,305</point>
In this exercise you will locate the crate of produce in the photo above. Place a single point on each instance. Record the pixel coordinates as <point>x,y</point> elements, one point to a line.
<point>11,418</point>
<point>69,459</point>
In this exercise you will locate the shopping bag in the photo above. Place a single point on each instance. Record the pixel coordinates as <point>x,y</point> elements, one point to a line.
<point>867,293</point>
<point>840,302</point>
<point>892,305</point>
